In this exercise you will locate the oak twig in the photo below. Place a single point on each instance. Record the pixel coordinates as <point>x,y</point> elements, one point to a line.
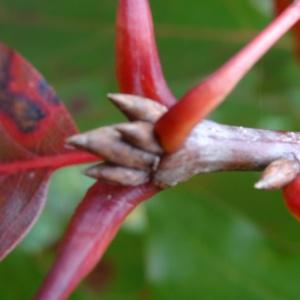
<point>133,155</point>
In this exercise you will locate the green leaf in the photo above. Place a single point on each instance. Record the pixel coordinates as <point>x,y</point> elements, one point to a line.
<point>201,247</point>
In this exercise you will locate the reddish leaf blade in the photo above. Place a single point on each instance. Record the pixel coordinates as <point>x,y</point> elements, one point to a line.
<point>291,194</point>
<point>22,199</point>
<point>92,228</point>
<point>33,123</point>
<point>138,66</point>
<point>30,111</point>
<point>177,123</point>
<point>279,7</point>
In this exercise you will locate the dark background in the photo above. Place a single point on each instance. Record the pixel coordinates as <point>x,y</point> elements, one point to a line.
<point>214,237</point>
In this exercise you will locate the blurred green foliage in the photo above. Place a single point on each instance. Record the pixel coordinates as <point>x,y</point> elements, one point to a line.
<point>214,237</point>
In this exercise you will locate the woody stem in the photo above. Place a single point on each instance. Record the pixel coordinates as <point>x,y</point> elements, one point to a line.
<point>213,147</point>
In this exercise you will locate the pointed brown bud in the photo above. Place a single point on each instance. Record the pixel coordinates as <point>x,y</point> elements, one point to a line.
<point>141,135</point>
<point>107,142</point>
<point>278,174</point>
<point>138,108</point>
<point>117,174</point>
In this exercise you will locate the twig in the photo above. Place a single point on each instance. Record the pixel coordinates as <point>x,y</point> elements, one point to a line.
<point>211,147</point>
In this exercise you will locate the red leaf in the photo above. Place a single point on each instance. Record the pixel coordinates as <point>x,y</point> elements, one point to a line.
<point>280,6</point>
<point>92,228</point>
<point>291,194</point>
<point>22,199</point>
<point>138,66</point>
<point>176,124</point>
<point>30,111</point>
<point>33,124</point>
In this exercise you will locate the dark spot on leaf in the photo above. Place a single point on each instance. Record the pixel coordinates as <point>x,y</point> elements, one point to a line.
<point>25,113</point>
<point>47,92</point>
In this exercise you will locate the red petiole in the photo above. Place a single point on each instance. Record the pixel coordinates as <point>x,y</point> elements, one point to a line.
<point>73,157</point>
